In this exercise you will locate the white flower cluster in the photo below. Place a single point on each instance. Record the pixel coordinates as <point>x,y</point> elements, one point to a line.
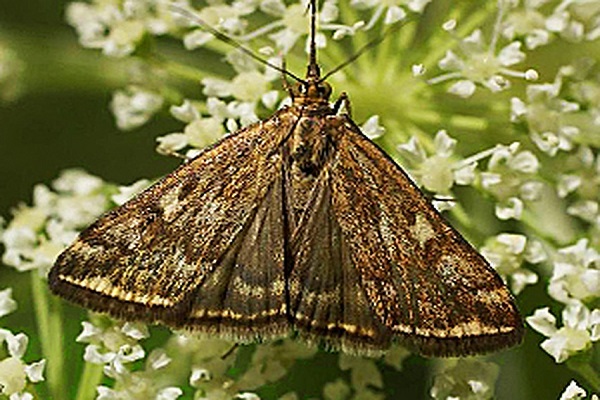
<point>366,381</point>
<point>211,359</point>
<point>549,116</point>
<point>540,21</point>
<point>14,373</point>
<point>575,282</point>
<point>439,172</point>
<point>510,174</point>
<point>38,233</point>
<point>116,347</point>
<point>511,179</point>
<point>134,106</point>
<point>574,392</point>
<point>507,252</point>
<point>481,63</point>
<point>119,27</point>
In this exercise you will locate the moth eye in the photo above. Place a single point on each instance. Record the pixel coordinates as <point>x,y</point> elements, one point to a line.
<point>325,89</point>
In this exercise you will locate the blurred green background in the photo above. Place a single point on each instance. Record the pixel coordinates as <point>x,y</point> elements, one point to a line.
<point>62,120</point>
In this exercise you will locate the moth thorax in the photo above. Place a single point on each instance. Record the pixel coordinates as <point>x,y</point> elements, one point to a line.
<point>309,146</point>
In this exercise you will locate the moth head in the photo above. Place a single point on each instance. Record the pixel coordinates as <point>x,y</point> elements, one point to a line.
<point>311,91</point>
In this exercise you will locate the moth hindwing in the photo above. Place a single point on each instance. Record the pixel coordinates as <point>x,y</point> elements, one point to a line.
<point>298,223</point>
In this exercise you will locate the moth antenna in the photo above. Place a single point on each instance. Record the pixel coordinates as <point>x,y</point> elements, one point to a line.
<point>364,49</point>
<point>313,67</point>
<point>230,41</point>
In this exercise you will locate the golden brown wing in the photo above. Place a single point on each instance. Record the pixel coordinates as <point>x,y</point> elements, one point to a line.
<point>375,262</point>
<point>156,257</point>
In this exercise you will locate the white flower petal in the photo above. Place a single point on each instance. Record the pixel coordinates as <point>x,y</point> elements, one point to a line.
<point>171,143</point>
<point>514,243</point>
<point>169,393</point>
<point>35,371</point>
<point>17,344</point>
<point>158,359</point>
<point>394,14</point>
<point>444,144</point>
<point>128,191</point>
<point>524,161</point>
<point>196,39</point>
<point>573,392</point>
<point>511,54</point>
<point>372,129</point>
<point>517,109</point>
<point>106,393</point>
<point>451,62</point>
<point>463,88</point>
<point>186,112</point>
<point>7,303</point>
<point>199,376</point>
<point>543,321</point>
<point>510,209</point>
<point>135,330</point>
<point>93,355</point>
<point>247,396</point>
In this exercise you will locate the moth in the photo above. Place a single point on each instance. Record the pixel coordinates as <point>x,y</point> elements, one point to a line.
<point>296,225</point>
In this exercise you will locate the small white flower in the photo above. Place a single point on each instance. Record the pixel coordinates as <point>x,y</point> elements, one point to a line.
<point>135,330</point>
<point>198,376</point>
<point>576,274</point>
<point>14,373</point>
<point>34,371</point>
<point>372,129</point>
<point>481,64</point>
<point>573,392</point>
<point>511,208</point>
<point>507,253</point>
<point>247,396</point>
<point>186,112</point>
<point>462,88</point>
<point>158,359</point>
<point>418,70</point>
<point>134,106</point>
<point>169,393</point>
<point>509,178</point>
<point>7,304</point>
<point>440,171</point>
<point>127,192</point>
<point>390,11</point>
<point>106,393</point>
<point>580,328</point>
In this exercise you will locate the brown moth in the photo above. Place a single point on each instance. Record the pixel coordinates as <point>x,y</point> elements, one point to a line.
<point>298,224</point>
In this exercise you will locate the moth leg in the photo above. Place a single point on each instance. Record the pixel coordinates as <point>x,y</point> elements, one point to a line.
<point>284,82</point>
<point>173,153</point>
<point>343,100</point>
<point>233,348</point>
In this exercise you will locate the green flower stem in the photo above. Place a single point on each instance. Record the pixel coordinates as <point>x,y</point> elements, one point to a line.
<point>586,370</point>
<point>89,381</point>
<point>50,328</point>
